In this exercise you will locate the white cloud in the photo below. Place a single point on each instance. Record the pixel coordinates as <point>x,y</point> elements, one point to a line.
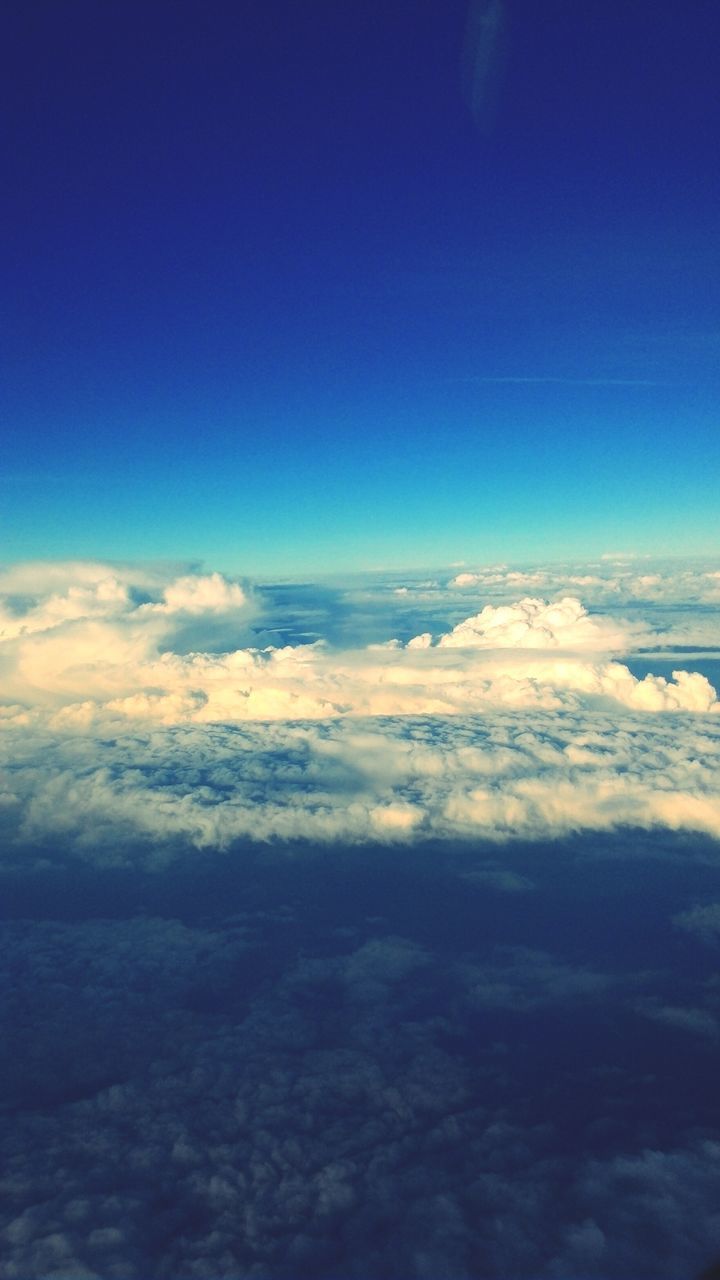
<point>195,594</point>
<point>104,787</point>
<point>605,581</point>
<point>94,644</point>
<point>103,653</point>
<point>41,596</point>
<point>538,624</point>
<point>42,578</point>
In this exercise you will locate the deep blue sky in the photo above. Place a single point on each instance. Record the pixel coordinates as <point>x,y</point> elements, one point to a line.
<point>275,296</point>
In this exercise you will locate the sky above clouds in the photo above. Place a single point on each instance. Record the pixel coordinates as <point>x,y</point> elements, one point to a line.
<point>389,285</point>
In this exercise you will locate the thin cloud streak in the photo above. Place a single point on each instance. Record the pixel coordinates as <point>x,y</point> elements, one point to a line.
<point>565,382</point>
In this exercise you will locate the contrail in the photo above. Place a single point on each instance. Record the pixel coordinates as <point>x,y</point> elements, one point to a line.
<point>484,59</point>
<point>566,382</point>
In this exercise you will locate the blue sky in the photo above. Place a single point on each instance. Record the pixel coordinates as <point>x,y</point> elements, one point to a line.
<point>279,299</point>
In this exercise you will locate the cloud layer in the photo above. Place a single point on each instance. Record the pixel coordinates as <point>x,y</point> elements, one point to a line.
<point>304,971</point>
<point>495,777</point>
<point>88,639</point>
<point>277,1085</point>
<point>127,712</point>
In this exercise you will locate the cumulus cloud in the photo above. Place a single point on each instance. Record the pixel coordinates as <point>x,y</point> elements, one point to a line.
<point>73,629</point>
<point>535,728</point>
<point>98,644</point>
<point>43,596</point>
<point>209,593</point>
<point>537,624</point>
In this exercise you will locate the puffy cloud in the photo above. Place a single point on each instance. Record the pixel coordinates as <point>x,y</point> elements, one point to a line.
<point>194,594</point>
<point>89,629</point>
<point>44,596</point>
<point>671,604</point>
<point>122,656</point>
<point>536,624</point>
<point>38,579</point>
<point>106,596</point>
<point>97,655</point>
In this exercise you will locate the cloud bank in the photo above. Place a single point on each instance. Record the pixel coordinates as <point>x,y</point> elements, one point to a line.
<point>83,640</point>
<point>205,1098</point>
<point>616,577</point>
<point>126,712</point>
<point>304,973</point>
<point>347,781</point>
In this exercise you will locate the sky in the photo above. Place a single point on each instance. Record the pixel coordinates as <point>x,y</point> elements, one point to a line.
<point>296,290</point>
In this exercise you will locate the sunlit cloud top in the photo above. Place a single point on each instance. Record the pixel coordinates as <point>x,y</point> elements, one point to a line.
<point>524,715</point>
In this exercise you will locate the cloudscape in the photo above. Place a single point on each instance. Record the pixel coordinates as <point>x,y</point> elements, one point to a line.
<point>360,642</point>
<point>303,930</point>
<point>525,718</point>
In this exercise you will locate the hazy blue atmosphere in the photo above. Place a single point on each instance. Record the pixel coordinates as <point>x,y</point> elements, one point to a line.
<point>297,287</point>
<point>360,640</point>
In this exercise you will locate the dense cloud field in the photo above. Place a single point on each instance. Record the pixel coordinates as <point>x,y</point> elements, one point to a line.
<point>360,929</point>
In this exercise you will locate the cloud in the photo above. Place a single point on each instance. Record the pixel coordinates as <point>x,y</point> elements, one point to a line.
<point>516,721</point>
<point>697,1021</point>
<point>221,1104</point>
<point>648,1204</point>
<point>611,579</point>
<point>43,596</point>
<point>193,594</point>
<point>249,1091</point>
<point>94,647</point>
<point>114,793</point>
<point>69,629</point>
<point>537,624</point>
<point>703,921</point>
<point>500,879</point>
<point>520,978</point>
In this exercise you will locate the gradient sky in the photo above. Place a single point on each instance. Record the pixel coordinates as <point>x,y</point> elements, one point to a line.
<point>301,287</point>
